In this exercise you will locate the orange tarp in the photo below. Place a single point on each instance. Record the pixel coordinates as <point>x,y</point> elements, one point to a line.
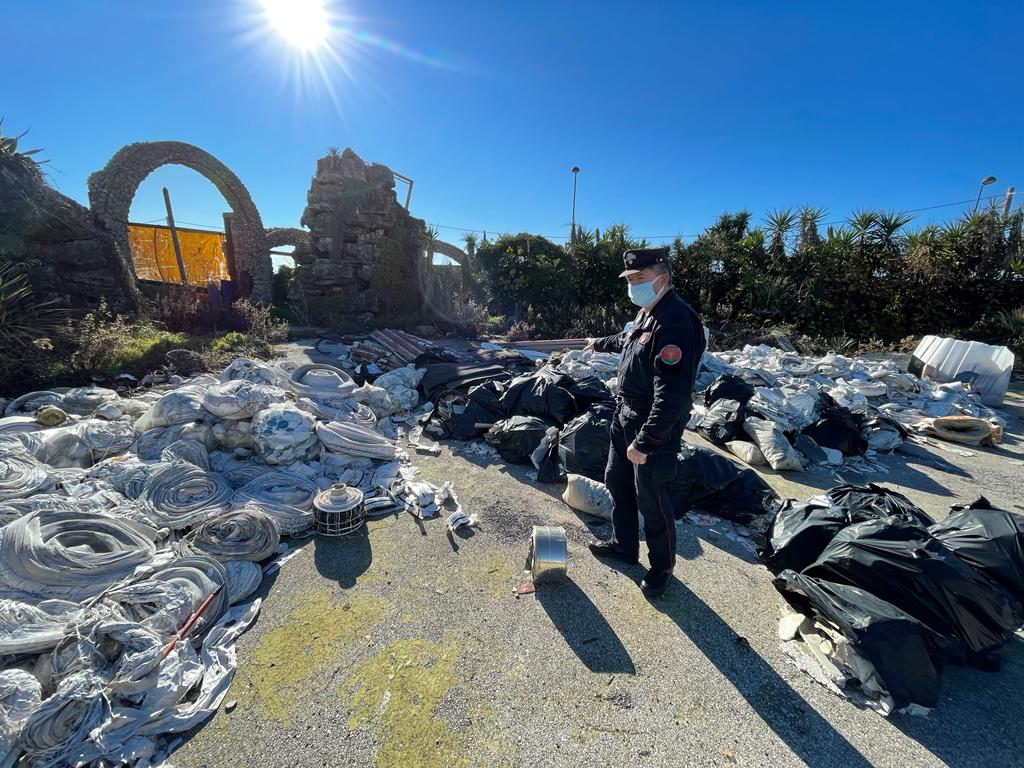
<point>201,252</point>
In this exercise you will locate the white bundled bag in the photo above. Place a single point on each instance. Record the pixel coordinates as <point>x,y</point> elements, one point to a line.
<point>589,496</point>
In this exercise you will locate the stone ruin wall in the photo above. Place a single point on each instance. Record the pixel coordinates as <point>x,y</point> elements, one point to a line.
<point>355,223</point>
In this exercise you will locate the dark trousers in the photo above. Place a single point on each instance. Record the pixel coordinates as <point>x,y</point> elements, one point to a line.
<point>643,488</point>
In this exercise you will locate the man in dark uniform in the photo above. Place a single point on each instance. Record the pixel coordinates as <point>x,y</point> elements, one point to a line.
<point>661,353</point>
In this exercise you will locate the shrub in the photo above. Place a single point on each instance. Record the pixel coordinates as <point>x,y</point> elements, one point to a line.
<point>261,323</point>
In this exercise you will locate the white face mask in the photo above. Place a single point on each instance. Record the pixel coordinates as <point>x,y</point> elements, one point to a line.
<point>643,294</point>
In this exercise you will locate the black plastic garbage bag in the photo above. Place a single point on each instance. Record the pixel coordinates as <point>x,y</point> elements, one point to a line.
<point>587,391</point>
<point>728,387</point>
<point>989,539</point>
<point>481,406</point>
<point>799,533</point>
<point>904,652</point>
<point>458,377</point>
<point>516,438</point>
<point>906,566</point>
<point>583,443</point>
<point>839,428</point>
<point>869,502</point>
<point>539,395</point>
<point>723,422</point>
<point>711,483</point>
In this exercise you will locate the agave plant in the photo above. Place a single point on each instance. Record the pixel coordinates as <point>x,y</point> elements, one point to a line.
<point>23,319</point>
<point>9,144</point>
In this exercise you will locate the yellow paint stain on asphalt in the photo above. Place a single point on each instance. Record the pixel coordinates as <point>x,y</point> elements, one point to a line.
<point>395,695</point>
<point>314,638</point>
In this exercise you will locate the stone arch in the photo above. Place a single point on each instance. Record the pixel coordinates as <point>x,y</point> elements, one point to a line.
<point>278,236</point>
<point>451,251</point>
<point>112,190</point>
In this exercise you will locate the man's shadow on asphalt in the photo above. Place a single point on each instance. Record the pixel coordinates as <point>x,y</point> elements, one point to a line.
<point>584,629</point>
<point>790,717</point>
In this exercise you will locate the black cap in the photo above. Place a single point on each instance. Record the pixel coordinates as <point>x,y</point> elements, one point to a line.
<point>636,259</point>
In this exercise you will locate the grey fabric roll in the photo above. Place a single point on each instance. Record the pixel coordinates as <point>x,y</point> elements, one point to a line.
<point>21,476</point>
<point>285,497</point>
<point>64,719</point>
<point>106,438</point>
<point>255,371</point>
<point>20,696</point>
<point>353,440</point>
<point>244,578</point>
<point>70,554</point>
<point>284,435</point>
<point>151,444</point>
<point>82,401</point>
<point>243,534</point>
<point>200,576</point>
<point>324,383</point>
<point>190,451</point>
<point>182,495</point>
<point>31,402</point>
<point>28,628</point>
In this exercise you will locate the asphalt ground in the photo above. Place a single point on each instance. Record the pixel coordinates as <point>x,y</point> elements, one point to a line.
<point>405,646</point>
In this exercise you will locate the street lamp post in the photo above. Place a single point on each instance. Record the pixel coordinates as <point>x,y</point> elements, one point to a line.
<point>572,230</point>
<point>986,180</point>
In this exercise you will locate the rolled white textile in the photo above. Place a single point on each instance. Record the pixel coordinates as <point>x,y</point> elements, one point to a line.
<point>241,399</point>
<point>106,438</point>
<point>242,534</point>
<point>182,495</point>
<point>285,497</point>
<point>70,554</point>
<point>190,451</point>
<point>351,411</point>
<point>31,402</point>
<point>65,719</point>
<point>244,578</point>
<point>82,401</point>
<point>236,470</point>
<point>202,576</point>
<point>150,444</point>
<point>324,383</point>
<point>355,441</point>
<point>11,425</point>
<point>283,435</point>
<point>20,696</point>
<point>21,476</point>
<point>34,628</point>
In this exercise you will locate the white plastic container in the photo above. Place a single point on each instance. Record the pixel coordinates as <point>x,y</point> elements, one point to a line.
<point>986,368</point>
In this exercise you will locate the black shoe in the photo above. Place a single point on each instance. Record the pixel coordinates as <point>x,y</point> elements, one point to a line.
<point>611,548</point>
<point>656,582</point>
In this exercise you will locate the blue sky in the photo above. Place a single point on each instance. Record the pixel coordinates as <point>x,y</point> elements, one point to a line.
<point>674,111</point>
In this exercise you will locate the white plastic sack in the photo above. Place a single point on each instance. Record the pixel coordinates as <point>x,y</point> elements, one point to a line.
<point>241,399</point>
<point>283,435</point>
<point>747,452</point>
<point>768,436</point>
<point>254,371</point>
<point>176,407</point>
<point>589,496</point>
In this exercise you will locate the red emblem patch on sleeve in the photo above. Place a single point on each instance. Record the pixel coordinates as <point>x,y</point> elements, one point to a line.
<point>670,354</point>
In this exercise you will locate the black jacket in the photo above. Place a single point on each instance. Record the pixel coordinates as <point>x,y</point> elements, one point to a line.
<point>660,358</point>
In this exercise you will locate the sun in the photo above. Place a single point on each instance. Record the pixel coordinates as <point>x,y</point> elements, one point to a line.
<point>303,23</point>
